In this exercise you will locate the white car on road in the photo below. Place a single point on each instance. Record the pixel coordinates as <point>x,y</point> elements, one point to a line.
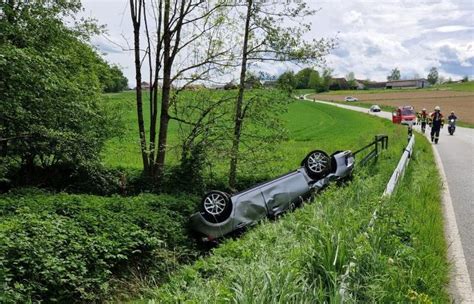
<point>350,98</point>
<point>375,108</point>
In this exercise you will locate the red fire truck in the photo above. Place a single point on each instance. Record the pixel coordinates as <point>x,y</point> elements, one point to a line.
<point>405,115</point>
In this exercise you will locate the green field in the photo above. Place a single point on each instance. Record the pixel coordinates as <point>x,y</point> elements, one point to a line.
<point>137,247</point>
<point>309,127</point>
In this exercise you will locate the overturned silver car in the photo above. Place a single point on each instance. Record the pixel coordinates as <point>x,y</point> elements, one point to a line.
<point>221,213</point>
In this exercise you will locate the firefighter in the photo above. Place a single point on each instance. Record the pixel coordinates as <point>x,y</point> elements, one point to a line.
<point>436,123</point>
<point>423,119</point>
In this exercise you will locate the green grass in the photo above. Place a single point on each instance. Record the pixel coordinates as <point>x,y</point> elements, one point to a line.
<point>313,126</point>
<point>304,256</point>
<point>310,126</point>
<point>123,151</point>
<point>311,247</point>
<point>462,87</point>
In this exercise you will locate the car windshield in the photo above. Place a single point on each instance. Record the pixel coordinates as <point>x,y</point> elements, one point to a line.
<point>408,112</point>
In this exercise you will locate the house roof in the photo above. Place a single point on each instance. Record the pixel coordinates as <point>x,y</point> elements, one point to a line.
<point>403,80</point>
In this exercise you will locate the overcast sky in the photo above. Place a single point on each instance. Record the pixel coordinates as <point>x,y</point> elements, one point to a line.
<point>373,36</point>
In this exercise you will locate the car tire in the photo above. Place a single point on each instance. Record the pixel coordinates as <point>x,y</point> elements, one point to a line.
<point>317,164</point>
<point>216,206</point>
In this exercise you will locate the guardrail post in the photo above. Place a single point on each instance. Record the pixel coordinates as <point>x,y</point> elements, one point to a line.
<point>376,145</point>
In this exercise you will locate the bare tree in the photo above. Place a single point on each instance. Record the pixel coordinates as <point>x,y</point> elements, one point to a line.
<point>187,48</point>
<point>268,36</point>
<point>136,10</point>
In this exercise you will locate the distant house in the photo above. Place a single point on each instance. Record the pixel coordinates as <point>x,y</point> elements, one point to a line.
<point>145,86</point>
<point>407,84</point>
<point>339,84</point>
<point>368,85</point>
<point>359,84</point>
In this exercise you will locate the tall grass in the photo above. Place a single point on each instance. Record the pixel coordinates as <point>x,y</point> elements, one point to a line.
<point>328,252</point>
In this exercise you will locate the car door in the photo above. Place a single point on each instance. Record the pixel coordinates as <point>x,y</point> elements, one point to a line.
<point>280,193</point>
<point>397,116</point>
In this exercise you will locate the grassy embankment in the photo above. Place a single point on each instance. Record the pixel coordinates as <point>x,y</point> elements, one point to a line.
<point>328,250</point>
<point>113,238</point>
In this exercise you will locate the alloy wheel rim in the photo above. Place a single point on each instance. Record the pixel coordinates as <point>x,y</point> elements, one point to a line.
<point>317,162</point>
<point>214,204</point>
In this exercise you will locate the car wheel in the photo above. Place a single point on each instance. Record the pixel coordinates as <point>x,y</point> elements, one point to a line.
<point>216,206</point>
<point>317,164</point>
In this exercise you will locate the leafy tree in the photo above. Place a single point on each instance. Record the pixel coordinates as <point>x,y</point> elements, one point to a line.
<point>465,79</point>
<point>314,81</point>
<point>266,36</point>
<point>112,79</point>
<point>325,81</point>
<point>302,78</point>
<point>287,81</point>
<point>394,75</point>
<point>433,76</point>
<point>350,77</point>
<point>50,110</point>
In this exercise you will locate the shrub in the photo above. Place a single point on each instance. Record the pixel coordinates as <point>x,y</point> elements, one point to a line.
<point>90,177</point>
<point>75,248</point>
<point>51,111</point>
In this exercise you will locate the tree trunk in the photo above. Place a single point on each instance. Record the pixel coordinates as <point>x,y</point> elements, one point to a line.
<point>165,97</point>
<point>154,106</point>
<point>238,119</point>
<point>138,79</point>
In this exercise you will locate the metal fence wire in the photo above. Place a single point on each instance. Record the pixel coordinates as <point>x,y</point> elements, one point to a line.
<point>378,144</point>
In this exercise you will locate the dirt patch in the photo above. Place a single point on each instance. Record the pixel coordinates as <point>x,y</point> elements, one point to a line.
<point>460,102</point>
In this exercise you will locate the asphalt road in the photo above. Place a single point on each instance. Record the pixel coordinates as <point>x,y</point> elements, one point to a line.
<point>457,156</point>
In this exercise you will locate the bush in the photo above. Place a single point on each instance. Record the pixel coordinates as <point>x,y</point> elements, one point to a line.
<point>91,178</point>
<point>51,111</point>
<point>71,248</point>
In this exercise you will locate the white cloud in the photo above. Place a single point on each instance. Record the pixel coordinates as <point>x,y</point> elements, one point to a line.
<point>374,36</point>
<point>354,18</point>
<point>452,28</point>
